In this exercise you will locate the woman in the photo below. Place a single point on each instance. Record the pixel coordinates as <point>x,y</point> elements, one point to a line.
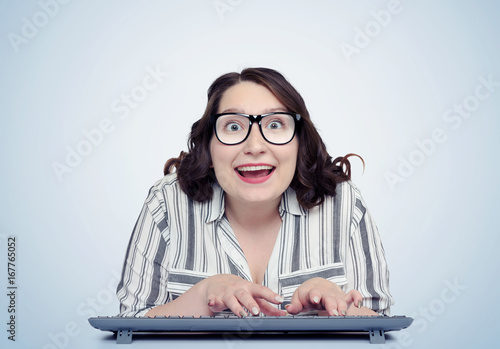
<point>255,218</point>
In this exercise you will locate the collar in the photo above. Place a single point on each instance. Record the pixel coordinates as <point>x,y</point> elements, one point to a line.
<point>215,208</point>
<point>290,204</point>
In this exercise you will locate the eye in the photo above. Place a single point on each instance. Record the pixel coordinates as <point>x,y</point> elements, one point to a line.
<point>232,127</point>
<point>277,122</point>
<point>275,125</point>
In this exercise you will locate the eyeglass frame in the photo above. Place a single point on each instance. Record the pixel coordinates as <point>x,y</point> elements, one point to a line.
<point>257,118</point>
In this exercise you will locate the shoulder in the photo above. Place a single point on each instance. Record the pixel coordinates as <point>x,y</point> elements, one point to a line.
<point>168,182</point>
<point>348,186</point>
<point>163,192</point>
<point>346,192</point>
<point>168,194</point>
<point>168,203</point>
<point>165,200</point>
<point>347,199</point>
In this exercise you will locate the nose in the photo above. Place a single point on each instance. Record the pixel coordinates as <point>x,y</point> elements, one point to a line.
<point>255,143</point>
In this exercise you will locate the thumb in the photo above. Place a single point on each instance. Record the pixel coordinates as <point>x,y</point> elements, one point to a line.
<point>353,296</point>
<point>216,305</point>
<point>295,305</point>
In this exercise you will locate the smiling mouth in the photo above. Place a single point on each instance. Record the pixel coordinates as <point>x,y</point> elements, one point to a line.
<point>255,171</point>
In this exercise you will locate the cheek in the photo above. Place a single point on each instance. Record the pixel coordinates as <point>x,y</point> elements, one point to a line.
<point>216,153</point>
<point>288,161</point>
<point>212,153</point>
<point>292,155</point>
<point>293,167</point>
<point>221,161</point>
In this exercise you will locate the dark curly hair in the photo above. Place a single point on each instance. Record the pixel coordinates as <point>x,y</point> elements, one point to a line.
<point>316,174</point>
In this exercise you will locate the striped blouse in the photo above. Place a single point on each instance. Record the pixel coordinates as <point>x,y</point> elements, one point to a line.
<point>178,242</point>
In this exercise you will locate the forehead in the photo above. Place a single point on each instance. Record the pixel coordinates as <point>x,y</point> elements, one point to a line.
<point>250,98</point>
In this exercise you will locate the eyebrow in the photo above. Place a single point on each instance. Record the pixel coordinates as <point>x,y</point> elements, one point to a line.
<point>266,111</point>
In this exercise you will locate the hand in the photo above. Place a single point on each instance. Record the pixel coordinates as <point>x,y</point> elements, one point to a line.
<point>321,294</point>
<point>230,291</point>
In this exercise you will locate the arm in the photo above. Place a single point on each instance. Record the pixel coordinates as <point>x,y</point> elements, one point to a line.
<point>190,303</point>
<point>143,288</point>
<point>219,292</point>
<point>143,275</point>
<point>327,297</point>
<point>365,267</point>
<point>365,261</point>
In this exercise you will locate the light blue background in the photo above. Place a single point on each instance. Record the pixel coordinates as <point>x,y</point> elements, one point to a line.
<point>439,223</point>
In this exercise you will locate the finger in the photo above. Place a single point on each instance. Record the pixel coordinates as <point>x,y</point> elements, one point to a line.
<point>314,298</point>
<point>260,291</point>
<point>216,305</point>
<point>331,306</point>
<point>354,296</point>
<point>247,300</point>
<point>341,306</point>
<point>235,306</point>
<point>267,309</point>
<point>295,305</point>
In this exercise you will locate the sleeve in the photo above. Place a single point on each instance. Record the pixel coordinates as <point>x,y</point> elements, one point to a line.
<point>143,281</point>
<point>367,268</point>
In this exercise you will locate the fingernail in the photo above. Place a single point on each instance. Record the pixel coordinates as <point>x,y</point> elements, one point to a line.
<point>343,312</point>
<point>359,304</point>
<point>209,302</point>
<point>279,299</point>
<point>287,306</point>
<point>243,314</point>
<point>316,300</point>
<point>255,311</point>
<point>335,312</point>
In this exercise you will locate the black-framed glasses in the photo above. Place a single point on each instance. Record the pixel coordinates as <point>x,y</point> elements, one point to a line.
<point>276,128</point>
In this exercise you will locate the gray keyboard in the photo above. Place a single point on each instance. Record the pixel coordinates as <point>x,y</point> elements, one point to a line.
<point>376,326</point>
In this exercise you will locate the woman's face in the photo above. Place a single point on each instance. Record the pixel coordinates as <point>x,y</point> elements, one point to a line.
<point>254,171</point>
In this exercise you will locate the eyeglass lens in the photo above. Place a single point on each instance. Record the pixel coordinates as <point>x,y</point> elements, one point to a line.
<point>276,128</point>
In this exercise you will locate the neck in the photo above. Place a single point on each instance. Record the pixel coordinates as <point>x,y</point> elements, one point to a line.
<point>253,215</point>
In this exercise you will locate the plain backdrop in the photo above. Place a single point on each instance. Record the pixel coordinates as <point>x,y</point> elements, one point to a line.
<point>97,95</point>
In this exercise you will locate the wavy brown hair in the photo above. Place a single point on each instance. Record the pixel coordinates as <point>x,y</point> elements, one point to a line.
<point>316,174</point>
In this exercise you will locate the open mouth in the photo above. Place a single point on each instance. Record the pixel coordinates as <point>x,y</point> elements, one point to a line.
<point>252,172</point>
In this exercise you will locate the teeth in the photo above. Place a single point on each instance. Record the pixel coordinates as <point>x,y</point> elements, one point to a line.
<point>254,168</point>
